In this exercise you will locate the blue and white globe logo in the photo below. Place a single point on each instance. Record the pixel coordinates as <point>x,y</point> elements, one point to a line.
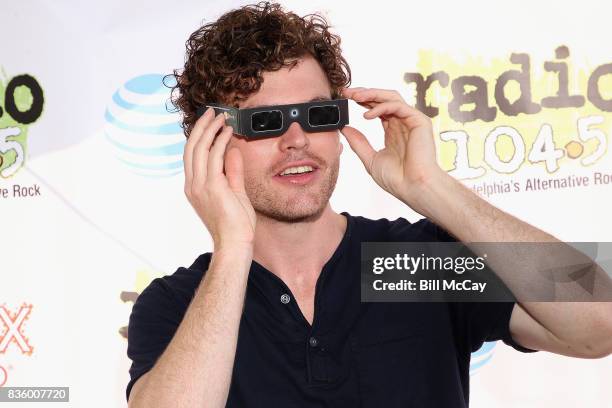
<point>482,356</point>
<point>145,136</point>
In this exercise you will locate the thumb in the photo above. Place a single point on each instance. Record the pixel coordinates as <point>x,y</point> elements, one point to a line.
<point>360,145</point>
<point>234,169</point>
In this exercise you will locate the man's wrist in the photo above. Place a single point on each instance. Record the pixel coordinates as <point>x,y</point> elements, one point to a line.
<point>426,196</point>
<point>234,252</point>
<point>234,248</point>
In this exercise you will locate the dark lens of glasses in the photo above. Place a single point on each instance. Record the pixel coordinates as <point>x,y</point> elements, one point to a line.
<point>323,115</point>
<point>267,120</point>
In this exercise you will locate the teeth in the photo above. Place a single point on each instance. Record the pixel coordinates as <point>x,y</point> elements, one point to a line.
<point>297,170</point>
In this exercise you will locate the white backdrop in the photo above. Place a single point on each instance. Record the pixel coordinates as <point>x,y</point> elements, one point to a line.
<point>105,212</point>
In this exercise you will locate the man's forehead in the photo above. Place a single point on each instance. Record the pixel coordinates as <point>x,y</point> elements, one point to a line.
<point>303,82</point>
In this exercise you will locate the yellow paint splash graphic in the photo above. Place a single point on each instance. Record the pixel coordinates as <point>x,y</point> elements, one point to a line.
<point>572,147</point>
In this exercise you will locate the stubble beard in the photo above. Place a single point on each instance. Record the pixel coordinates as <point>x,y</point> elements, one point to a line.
<point>292,203</point>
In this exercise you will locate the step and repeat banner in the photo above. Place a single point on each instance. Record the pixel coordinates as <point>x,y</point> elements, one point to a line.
<point>91,182</point>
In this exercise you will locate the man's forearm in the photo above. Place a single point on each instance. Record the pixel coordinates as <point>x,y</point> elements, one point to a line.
<point>468,217</point>
<point>195,370</point>
<point>585,325</point>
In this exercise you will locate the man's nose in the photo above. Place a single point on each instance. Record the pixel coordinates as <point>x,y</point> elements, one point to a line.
<point>294,138</point>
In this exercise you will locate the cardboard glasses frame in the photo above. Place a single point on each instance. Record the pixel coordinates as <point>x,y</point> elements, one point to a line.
<point>270,121</point>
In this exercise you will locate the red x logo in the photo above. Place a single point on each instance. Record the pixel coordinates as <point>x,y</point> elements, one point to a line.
<point>14,330</point>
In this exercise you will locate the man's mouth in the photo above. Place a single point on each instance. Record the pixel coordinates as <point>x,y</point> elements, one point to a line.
<point>300,175</point>
<point>296,170</point>
<point>297,167</point>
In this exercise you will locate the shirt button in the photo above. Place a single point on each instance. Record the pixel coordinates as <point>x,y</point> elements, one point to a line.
<point>313,342</point>
<point>285,298</point>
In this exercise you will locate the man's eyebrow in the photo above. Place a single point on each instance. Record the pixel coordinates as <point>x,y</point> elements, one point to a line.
<point>320,98</point>
<point>315,99</point>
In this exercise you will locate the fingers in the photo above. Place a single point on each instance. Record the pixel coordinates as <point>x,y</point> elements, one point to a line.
<point>396,108</point>
<point>192,140</point>
<point>370,97</point>
<point>217,152</point>
<point>347,92</point>
<point>412,117</point>
<point>364,95</point>
<point>368,105</point>
<point>201,151</point>
<point>360,145</point>
<point>234,169</point>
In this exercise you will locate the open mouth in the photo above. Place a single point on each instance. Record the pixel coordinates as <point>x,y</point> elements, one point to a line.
<point>296,171</point>
<point>297,175</point>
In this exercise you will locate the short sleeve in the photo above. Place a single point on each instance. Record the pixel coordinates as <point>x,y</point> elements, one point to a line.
<point>154,319</point>
<point>474,322</point>
<point>423,230</point>
<point>157,314</point>
<point>477,322</point>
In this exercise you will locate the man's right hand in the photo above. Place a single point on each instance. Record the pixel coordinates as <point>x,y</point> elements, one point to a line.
<point>219,198</point>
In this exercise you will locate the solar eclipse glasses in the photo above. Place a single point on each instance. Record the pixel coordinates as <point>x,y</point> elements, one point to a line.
<point>268,121</point>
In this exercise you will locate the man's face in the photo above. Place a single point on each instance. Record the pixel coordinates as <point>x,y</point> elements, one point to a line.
<point>298,197</point>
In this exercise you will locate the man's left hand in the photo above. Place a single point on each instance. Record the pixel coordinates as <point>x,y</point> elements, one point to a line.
<point>408,160</point>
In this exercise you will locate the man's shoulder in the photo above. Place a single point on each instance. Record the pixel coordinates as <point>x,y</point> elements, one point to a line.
<point>189,278</point>
<point>180,286</point>
<point>400,229</point>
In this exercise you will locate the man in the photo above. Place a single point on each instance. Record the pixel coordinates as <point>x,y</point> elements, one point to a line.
<point>273,316</point>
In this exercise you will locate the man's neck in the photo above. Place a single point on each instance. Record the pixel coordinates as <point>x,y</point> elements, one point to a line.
<point>301,248</point>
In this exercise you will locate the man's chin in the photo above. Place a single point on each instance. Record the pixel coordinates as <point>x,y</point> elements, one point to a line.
<point>292,204</point>
<point>299,213</point>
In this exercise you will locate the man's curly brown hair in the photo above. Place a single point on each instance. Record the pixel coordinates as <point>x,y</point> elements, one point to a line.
<point>225,59</point>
